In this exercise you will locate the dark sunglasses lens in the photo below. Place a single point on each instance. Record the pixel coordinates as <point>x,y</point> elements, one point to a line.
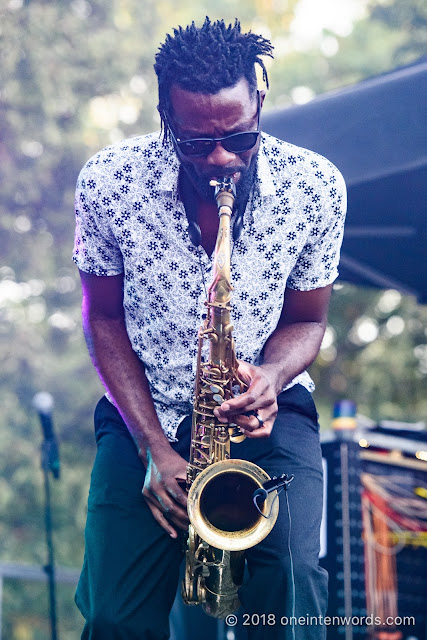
<point>196,147</point>
<point>236,143</point>
<point>239,142</point>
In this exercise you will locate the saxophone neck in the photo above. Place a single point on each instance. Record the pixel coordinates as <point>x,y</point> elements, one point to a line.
<point>220,289</point>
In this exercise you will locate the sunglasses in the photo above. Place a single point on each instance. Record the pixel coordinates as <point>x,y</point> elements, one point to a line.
<point>234,143</point>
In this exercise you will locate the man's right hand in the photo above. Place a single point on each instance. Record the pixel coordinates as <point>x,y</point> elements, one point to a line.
<point>163,493</point>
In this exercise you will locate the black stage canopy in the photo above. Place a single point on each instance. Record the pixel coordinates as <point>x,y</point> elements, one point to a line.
<point>375,132</point>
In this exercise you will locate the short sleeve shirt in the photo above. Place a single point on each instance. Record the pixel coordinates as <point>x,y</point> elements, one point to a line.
<point>130,220</point>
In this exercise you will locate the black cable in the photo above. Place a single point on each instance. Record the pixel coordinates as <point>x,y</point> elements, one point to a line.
<point>280,484</point>
<point>291,563</point>
<point>271,508</point>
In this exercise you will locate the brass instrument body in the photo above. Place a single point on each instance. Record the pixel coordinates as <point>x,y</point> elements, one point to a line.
<point>224,520</point>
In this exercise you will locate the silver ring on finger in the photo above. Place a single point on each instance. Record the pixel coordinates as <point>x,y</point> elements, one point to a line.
<point>260,420</point>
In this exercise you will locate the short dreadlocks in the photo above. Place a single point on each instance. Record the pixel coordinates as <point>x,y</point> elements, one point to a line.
<point>208,59</point>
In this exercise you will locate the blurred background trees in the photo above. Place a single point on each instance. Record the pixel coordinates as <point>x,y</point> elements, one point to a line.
<point>75,76</point>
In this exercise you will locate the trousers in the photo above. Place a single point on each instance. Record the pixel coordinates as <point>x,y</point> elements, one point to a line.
<point>131,565</point>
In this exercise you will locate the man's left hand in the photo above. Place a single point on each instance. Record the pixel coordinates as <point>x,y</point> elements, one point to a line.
<point>260,399</point>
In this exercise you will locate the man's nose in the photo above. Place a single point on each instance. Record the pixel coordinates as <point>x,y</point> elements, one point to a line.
<point>220,156</point>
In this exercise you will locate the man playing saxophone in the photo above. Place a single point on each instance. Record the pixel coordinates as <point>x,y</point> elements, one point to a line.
<point>146,227</point>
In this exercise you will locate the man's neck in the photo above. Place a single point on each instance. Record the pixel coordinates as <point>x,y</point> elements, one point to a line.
<point>201,211</point>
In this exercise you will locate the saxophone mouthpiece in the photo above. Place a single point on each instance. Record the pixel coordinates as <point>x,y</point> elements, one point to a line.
<point>226,183</point>
<point>225,192</point>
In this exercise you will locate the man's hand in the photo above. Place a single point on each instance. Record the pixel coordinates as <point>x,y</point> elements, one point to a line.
<point>165,497</point>
<point>260,398</point>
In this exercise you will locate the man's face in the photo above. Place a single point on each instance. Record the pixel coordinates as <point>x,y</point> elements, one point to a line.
<point>198,115</point>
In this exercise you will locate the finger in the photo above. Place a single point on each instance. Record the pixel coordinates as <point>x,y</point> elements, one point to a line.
<point>161,520</point>
<point>241,403</point>
<point>161,497</point>
<point>251,424</point>
<point>258,396</point>
<point>248,423</point>
<point>264,432</point>
<point>245,371</point>
<point>180,521</point>
<point>257,425</point>
<point>178,494</point>
<point>236,406</point>
<point>171,510</point>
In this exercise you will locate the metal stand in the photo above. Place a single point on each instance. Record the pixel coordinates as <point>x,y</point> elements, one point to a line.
<point>47,449</point>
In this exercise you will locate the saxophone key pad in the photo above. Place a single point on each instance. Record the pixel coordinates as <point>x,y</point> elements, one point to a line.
<point>215,388</point>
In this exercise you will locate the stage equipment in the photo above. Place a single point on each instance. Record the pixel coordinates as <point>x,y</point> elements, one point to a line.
<point>224,519</point>
<point>342,544</point>
<point>394,509</point>
<point>375,530</point>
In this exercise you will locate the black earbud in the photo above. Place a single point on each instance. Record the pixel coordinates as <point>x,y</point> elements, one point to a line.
<point>194,232</point>
<point>238,227</point>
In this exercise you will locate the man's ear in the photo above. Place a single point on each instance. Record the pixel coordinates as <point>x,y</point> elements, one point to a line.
<point>262,95</point>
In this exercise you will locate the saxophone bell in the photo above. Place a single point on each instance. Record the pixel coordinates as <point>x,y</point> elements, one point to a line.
<point>221,506</point>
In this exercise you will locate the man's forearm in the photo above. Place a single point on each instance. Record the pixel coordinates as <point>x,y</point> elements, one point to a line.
<point>123,375</point>
<point>291,349</point>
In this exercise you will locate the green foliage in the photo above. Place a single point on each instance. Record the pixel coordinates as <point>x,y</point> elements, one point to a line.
<point>31,622</point>
<point>75,76</point>
<point>375,353</point>
<point>408,21</point>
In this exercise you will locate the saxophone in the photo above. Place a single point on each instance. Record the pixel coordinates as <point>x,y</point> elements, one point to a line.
<point>223,518</point>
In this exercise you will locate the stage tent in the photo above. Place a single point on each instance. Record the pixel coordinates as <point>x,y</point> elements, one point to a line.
<point>375,132</point>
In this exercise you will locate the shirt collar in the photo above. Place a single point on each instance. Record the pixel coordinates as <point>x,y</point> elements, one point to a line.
<point>168,181</point>
<point>265,179</point>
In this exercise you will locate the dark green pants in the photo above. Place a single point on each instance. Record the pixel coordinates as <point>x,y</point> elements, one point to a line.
<point>131,565</point>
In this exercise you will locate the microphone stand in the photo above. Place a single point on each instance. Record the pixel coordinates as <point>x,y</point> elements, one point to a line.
<point>43,402</point>
<point>49,568</point>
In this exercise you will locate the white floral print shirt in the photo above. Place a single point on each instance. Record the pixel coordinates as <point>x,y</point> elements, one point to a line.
<point>129,218</point>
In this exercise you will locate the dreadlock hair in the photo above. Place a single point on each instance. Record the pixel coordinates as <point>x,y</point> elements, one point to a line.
<point>208,59</point>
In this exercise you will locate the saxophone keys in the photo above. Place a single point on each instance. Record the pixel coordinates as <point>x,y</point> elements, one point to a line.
<point>235,434</point>
<point>218,393</point>
<point>215,388</point>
